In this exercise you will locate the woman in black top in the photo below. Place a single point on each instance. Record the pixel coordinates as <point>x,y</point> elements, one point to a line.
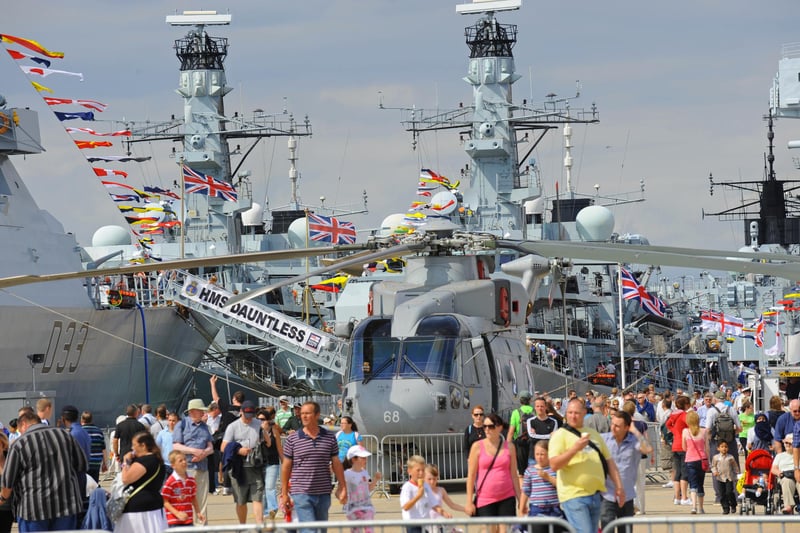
<point>144,471</point>
<point>273,454</point>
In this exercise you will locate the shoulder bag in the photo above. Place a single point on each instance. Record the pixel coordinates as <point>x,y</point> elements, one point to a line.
<point>120,495</point>
<point>477,490</point>
<point>703,460</point>
<point>593,445</point>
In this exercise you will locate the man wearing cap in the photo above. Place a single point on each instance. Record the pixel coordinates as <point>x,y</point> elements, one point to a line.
<point>517,429</point>
<point>294,423</point>
<point>783,469</point>
<point>245,434</point>
<point>309,456</point>
<point>192,437</point>
<point>284,411</point>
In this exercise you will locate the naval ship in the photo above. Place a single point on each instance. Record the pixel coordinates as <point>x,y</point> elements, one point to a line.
<point>64,340</point>
<point>201,225</point>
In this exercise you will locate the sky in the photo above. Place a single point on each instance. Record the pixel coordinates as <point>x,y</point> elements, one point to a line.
<point>681,88</point>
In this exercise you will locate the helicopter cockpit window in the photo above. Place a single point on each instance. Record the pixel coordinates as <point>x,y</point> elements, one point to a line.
<point>374,350</point>
<point>431,353</point>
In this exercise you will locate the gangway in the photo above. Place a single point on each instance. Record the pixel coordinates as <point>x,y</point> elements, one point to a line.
<point>260,321</point>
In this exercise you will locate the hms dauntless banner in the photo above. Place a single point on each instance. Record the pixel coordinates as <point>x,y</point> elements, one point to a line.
<point>254,315</point>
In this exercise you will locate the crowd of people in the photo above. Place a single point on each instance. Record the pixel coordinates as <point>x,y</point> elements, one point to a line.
<point>576,458</point>
<point>169,463</point>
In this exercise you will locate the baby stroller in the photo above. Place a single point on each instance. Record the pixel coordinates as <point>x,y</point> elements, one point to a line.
<point>758,483</point>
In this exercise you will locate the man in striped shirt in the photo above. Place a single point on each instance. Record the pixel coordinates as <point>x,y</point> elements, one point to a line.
<point>309,455</point>
<point>42,469</point>
<point>97,458</point>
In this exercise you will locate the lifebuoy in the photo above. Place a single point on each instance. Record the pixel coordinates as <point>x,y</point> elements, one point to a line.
<point>5,123</point>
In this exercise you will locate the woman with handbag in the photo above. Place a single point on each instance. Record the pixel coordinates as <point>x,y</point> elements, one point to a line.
<point>695,442</point>
<point>143,471</point>
<point>492,480</point>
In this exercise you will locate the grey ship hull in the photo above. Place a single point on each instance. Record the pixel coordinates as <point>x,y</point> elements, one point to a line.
<point>94,359</point>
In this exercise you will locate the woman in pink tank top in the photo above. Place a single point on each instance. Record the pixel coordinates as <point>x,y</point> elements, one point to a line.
<point>492,479</point>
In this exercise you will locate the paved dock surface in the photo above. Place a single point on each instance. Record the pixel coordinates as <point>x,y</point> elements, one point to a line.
<point>659,502</point>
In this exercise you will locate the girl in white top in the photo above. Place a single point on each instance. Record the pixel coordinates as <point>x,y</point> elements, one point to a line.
<point>359,486</point>
<point>439,495</point>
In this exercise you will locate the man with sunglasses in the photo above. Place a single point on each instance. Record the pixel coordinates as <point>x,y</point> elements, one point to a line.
<point>474,431</point>
<point>581,470</point>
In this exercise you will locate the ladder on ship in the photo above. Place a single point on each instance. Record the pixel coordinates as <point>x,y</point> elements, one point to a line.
<point>259,321</point>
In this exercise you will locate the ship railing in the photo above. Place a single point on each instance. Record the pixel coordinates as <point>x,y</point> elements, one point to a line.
<point>151,289</point>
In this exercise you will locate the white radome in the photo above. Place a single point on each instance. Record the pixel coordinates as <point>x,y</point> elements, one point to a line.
<point>111,236</point>
<point>391,223</point>
<point>595,223</point>
<point>253,216</point>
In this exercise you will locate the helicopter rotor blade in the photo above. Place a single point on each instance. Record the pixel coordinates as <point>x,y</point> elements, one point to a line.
<point>197,262</point>
<point>755,263</point>
<point>393,251</point>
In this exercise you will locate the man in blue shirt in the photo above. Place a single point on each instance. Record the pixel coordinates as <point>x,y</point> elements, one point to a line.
<point>786,425</point>
<point>645,408</point>
<point>69,415</point>
<point>626,445</point>
<point>192,437</point>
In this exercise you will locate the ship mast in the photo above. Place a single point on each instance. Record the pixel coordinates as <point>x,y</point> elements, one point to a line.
<point>205,132</point>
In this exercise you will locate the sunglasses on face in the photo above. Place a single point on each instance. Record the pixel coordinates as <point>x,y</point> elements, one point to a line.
<point>477,414</point>
<point>488,426</point>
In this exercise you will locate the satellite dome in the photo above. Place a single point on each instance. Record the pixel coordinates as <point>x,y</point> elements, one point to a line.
<point>391,223</point>
<point>595,223</point>
<point>253,216</point>
<point>111,236</point>
<point>298,235</point>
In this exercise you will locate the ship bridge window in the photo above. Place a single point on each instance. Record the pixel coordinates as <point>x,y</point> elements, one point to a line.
<point>373,350</point>
<point>431,353</point>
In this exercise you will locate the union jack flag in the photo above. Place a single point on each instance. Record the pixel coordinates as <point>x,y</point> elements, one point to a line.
<point>330,229</point>
<point>632,290</point>
<point>208,185</point>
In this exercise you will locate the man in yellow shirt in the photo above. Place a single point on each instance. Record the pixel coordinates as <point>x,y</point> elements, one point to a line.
<point>581,476</point>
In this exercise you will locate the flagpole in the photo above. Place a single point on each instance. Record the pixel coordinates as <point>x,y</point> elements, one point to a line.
<point>621,335</point>
<point>183,211</point>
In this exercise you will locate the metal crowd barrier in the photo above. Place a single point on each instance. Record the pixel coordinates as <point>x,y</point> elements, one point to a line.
<point>704,524</point>
<point>445,450</point>
<point>654,470</point>
<point>457,525</point>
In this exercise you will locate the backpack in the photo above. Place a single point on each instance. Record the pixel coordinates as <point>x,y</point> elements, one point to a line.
<point>723,429</point>
<point>523,424</point>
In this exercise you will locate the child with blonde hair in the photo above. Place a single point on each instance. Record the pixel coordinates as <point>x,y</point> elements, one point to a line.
<point>416,496</point>
<point>180,493</point>
<point>439,495</point>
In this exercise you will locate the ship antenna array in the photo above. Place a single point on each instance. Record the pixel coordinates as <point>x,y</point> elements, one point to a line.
<point>488,6</point>
<point>199,18</point>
